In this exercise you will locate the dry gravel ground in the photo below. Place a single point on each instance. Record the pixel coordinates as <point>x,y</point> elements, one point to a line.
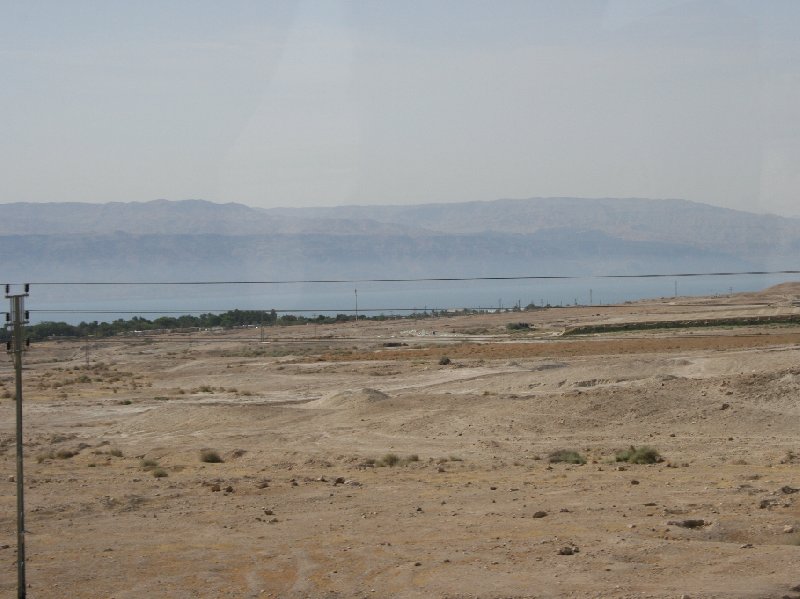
<point>302,504</point>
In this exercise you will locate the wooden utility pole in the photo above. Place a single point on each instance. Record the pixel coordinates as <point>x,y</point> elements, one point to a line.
<point>16,320</point>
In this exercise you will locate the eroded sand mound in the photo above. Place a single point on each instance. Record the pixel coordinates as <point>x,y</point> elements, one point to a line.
<point>351,398</point>
<point>783,290</point>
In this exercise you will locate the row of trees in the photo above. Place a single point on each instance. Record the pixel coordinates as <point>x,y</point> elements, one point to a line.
<point>226,320</point>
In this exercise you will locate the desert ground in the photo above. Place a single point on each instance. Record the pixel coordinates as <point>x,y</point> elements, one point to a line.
<point>355,462</point>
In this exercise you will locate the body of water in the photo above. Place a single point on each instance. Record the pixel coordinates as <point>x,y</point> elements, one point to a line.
<point>88,303</point>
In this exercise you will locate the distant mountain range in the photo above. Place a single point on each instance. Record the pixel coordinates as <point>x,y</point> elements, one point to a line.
<point>195,239</point>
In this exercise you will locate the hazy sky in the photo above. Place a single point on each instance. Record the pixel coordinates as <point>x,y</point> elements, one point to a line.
<point>321,103</point>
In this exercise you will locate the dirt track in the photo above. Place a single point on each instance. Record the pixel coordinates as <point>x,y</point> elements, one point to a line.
<point>480,512</point>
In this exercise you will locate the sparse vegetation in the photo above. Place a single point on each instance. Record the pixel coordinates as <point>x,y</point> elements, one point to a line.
<point>391,460</point>
<point>148,464</point>
<point>444,361</point>
<point>639,455</point>
<point>473,331</point>
<point>568,456</point>
<point>209,456</point>
<point>518,326</point>
<point>159,472</point>
<point>64,454</point>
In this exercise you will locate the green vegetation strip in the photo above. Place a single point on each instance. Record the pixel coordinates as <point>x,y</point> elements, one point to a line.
<point>615,327</point>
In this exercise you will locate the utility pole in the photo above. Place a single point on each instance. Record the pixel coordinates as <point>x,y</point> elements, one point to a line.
<point>676,288</point>
<point>590,298</point>
<point>356,292</point>
<point>16,320</point>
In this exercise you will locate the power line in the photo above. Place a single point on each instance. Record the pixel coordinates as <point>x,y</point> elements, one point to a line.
<point>425,279</point>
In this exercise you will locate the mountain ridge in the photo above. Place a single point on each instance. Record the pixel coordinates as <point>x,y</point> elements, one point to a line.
<point>544,236</point>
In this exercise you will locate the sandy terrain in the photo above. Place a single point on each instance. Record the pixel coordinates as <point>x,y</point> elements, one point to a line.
<point>306,502</point>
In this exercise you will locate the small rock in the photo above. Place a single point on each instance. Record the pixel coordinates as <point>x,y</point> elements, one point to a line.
<point>621,468</point>
<point>440,469</point>
<point>565,551</point>
<point>788,529</point>
<point>11,478</point>
<point>725,406</point>
<point>746,546</point>
<point>339,480</point>
<point>634,482</point>
<point>789,490</point>
<point>229,489</point>
<point>631,526</point>
<point>4,546</point>
<point>417,563</point>
<point>493,488</point>
<point>215,488</point>
<point>273,520</point>
<point>268,512</point>
<point>539,514</point>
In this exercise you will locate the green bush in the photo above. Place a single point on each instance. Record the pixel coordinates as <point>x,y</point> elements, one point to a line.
<point>639,455</point>
<point>390,459</point>
<point>210,456</point>
<point>568,456</point>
